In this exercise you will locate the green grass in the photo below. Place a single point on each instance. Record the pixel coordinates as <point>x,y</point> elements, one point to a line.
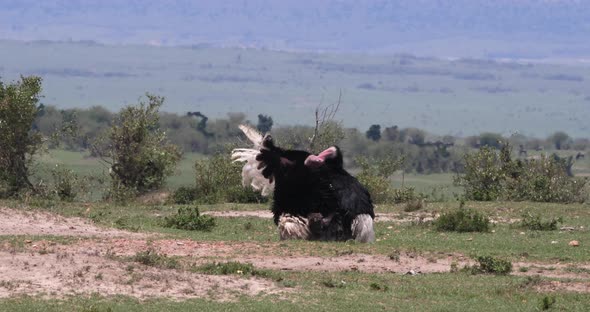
<point>503,240</point>
<point>432,292</point>
<point>84,165</point>
<point>347,290</point>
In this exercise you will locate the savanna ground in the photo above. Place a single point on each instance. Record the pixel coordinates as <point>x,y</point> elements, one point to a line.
<point>96,256</point>
<point>102,257</point>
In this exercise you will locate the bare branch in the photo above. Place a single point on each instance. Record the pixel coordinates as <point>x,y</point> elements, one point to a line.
<point>322,116</point>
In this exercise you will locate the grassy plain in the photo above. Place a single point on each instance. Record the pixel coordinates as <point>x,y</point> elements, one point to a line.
<point>351,290</point>
<point>410,235</point>
<point>458,97</point>
<point>399,233</point>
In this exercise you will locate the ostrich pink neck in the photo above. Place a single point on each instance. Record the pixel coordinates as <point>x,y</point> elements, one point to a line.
<point>316,161</point>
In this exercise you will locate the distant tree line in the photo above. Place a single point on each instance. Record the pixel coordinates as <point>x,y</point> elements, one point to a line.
<point>142,147</point>
<point>195,132</point>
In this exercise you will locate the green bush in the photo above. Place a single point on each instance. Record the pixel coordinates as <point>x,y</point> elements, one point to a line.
<point>544,180</point>
<point>379,287</point>
<point>491,265</point>
<point>414,205</point>
<point>184,195</point>
<point>405,194</point>
<point>138,152</point>
<point>125,223</point>
<point>151,258</point>
<point>535,223</point>
<point>491,175</point>
<point>375,176</point>
<point>232,267</point>
<point>189,218</point>
<point>19,142</point>
<point>66,183</point>
<point>219,180</point>
<point>483,175</point>
<point>547,302</point>
<point>462,220</point>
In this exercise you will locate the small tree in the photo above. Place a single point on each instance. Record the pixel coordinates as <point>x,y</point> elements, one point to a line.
<point>374,133</point>
<point>18,141</point>
<point>137,151</point>
<point>491,139</point>
<point>393,134</point>
<point>415,136</point>
<point>484,175</point>
<point>375,176</point>
<point>560,140</point>
<point>264,123</point>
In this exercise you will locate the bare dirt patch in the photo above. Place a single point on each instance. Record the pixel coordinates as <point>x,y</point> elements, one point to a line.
<point>273,257</point>
<point>17,222</point>
<point>565,271</point>
<point>264,214</point>
<point>552,286</point>
<point>402,264</point>
<point>60,274</point>
<point>93,265</point>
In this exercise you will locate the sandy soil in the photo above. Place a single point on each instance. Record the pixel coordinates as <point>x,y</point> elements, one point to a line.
<point>61,273</point>
<point>94,265</point>
<point>17,222</point>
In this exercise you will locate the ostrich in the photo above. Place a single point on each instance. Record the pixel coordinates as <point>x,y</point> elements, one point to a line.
<point>314,197</point>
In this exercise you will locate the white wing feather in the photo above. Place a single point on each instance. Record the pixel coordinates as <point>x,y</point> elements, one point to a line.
<point>253,135</point>
<point>251,175</point>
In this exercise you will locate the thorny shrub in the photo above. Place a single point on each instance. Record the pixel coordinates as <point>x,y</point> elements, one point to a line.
<point>137,150</point>
<point>375,176</point>
<point>219,180</point>
<point>492,175</point>
<point>189,218</point>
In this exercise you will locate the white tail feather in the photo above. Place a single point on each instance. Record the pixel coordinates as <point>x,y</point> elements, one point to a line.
<point>251,175</point>
<point>362,229</point>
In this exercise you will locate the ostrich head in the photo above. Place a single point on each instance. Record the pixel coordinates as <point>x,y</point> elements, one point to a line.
<point>331,157</point>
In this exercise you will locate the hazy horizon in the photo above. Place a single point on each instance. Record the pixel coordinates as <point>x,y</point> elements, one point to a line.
<point>450,67</point>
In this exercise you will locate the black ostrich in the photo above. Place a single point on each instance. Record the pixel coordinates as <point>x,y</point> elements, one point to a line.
<point>314,197</point>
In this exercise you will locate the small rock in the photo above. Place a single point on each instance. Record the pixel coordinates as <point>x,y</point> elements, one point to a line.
<point>574,243</point>
<point>522,233</point>
<point>412,272</point>
<point>28,241</point>
<point>567,228</point>
<point>470,239</point>
<point>390,227</point>
<point>553,242</point>
<point>179,243</point>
